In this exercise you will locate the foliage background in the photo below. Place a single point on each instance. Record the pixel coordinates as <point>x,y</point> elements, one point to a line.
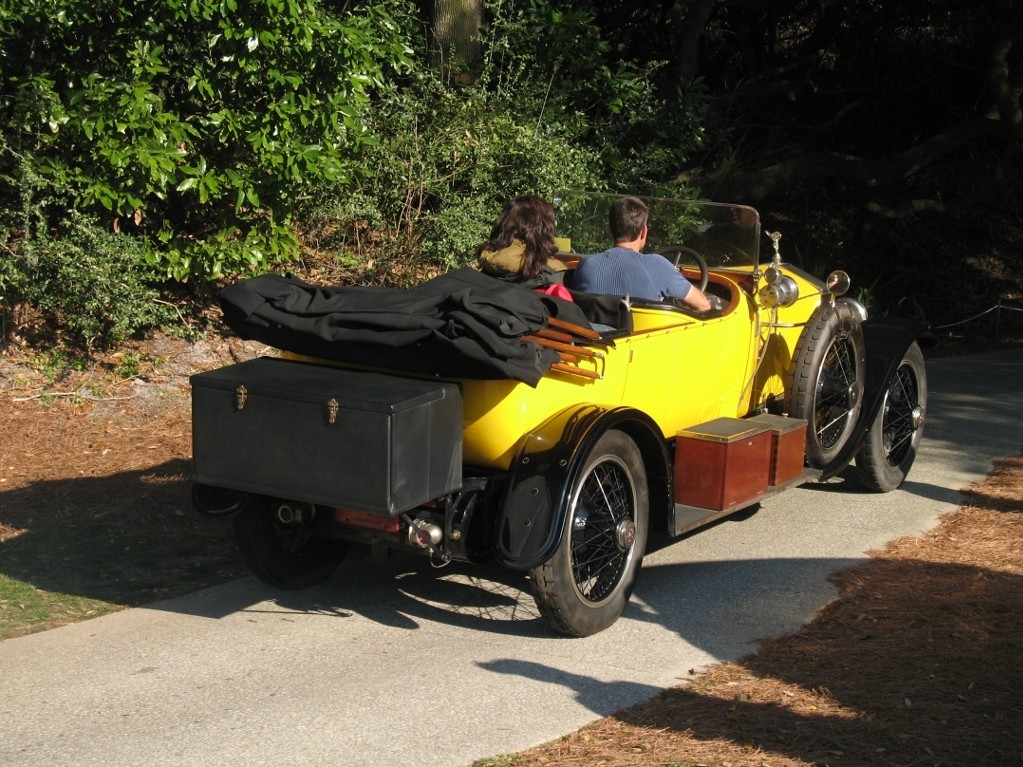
<point>150,151</point>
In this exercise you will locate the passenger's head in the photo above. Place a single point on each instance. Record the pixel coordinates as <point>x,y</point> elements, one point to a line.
<point>531,220</point>
<point>626,219</point>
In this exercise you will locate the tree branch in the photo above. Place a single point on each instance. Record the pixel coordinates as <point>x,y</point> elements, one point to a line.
<point>858,172</point>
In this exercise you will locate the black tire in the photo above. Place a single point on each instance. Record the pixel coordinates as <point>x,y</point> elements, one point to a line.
<point>586,585</point>
<point>218,502</point>
<point>825,382</point>
<point>284,556</point>
<point>889,450</point>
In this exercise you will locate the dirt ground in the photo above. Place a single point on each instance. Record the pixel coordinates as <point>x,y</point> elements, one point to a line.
<point>95,511</point>
<point>918,662</point>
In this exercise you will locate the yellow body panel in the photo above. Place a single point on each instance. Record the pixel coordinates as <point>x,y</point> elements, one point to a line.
<point>678,370</point>
<point>780,335</point>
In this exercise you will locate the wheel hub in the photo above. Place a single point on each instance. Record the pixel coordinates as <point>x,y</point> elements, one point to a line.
<point>625,534</point>
<point>917,417</point>
<point>852,395</point>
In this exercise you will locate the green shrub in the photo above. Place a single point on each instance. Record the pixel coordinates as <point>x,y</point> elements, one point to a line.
<point>554,63</point>
<point>91,287</point>
<point>230,135</point>
<point>202,120</point>
<point>449,156</point>
<point>445,163</point>
<point>94,286</point>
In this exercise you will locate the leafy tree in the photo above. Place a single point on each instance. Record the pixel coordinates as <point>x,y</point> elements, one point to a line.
<point>198,122</point>
<point>557,58</point>
<point>851,94</point>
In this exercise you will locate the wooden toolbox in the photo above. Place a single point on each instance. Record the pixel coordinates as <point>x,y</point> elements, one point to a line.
<point>722,464</point>
<point>788,445</point>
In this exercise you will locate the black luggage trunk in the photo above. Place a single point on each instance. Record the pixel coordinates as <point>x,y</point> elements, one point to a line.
<point>341,438</point>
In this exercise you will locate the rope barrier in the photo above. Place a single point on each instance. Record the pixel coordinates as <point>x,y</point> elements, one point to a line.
<point>968,319</point>
<point>999,307</point>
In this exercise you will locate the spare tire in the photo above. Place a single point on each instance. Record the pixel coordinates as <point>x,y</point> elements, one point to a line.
<point>284,556</point>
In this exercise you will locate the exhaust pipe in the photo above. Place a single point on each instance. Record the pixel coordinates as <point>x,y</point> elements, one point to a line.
<point>299,514</point>
<point>424,534</point>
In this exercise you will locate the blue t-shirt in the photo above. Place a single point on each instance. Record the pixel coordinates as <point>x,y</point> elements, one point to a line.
<point>622,271</point>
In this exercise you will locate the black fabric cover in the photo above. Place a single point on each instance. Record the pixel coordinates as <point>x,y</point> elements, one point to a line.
<point>463,323</point>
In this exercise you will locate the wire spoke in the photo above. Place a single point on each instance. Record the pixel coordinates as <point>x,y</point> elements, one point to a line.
<point>597,559</point>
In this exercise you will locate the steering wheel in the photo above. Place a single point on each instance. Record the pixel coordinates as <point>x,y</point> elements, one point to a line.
<point>679,251</point>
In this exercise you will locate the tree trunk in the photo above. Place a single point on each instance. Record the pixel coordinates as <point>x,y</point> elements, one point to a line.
<point>689,20</point>
<point>456,36</point>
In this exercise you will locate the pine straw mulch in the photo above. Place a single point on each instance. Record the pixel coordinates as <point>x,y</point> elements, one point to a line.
<point>919,661</point>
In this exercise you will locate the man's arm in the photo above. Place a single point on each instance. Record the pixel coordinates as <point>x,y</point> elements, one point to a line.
<point>674,285</point>
<point>696,299</point>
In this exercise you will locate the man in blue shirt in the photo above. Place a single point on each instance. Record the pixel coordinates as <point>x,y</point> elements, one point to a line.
<point>624,270</point>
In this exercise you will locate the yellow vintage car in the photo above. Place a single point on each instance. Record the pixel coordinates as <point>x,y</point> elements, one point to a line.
<point>471,419</point>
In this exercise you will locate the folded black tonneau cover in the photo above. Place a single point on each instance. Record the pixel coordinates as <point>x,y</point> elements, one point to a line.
<point>462,324</point>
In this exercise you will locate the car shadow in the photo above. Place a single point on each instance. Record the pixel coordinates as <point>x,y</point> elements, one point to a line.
<point>132,538</point>
<point>129,538</point>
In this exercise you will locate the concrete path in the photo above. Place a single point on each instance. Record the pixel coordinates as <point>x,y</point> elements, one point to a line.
<point>400,664</point>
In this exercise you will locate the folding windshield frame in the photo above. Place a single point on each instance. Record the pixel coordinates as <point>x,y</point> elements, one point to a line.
<point>726,235</point>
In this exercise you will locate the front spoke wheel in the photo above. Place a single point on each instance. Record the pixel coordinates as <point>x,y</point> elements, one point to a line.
<point>889,449</point>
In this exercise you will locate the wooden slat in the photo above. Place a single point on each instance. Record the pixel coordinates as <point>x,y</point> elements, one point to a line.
<point>569,354</point>
<point>573,370</point>
<point>554,335</point>
<point>579,351</point>
<point>576,330</point>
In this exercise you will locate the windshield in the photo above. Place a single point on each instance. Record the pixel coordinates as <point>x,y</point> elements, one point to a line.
<point>725,235</point>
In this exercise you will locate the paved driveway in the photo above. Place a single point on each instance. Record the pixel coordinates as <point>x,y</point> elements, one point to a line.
<point>400,664</point>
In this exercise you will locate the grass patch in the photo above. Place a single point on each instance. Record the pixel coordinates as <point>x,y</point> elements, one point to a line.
<point>25,609</point>
<point>52,578</point>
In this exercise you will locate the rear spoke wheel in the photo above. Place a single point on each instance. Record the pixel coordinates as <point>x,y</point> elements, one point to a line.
<point>585,586</point>
<point>289,556</point>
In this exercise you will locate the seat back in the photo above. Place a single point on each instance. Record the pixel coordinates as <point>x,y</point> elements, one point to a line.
<point>606,310</point>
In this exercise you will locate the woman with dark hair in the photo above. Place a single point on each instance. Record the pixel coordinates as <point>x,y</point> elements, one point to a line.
<point>521,246</point>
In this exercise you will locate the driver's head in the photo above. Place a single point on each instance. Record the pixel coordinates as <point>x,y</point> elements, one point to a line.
<point>626,219</point>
